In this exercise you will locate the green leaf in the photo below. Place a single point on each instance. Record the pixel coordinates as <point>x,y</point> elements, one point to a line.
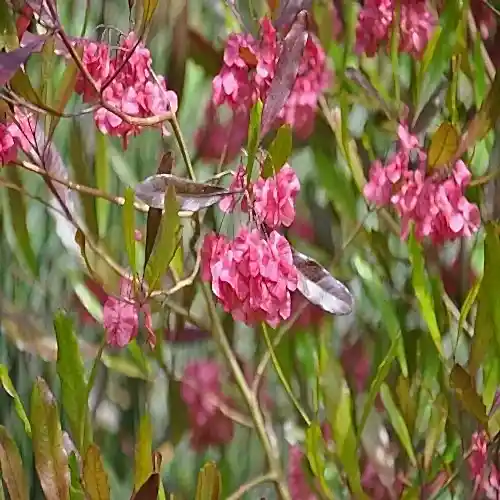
<point>279,152</point>
<point>101,167</point>
<point>315,456</point>
<point>381,375</point>
<point>397,422</point>
<point>71,374</point>
<point>95,478</point>
<point>129,227</point>
<point>18,405</point>
<point>177,408</point>
<point>422,290</point>
<point>18,216</point>
<point>464,387</point>
<point>51,461</point>
<point>166,240</point>
<point>8,32</point>
<point>209,483</point>
<point>143,452</point>
<point>487,325</point>
<point>253,136</point>
<point>435,428</point>
<point>76,489</point>
<point>46,75</point>
<point>65,89</point>
<point>11,467</point>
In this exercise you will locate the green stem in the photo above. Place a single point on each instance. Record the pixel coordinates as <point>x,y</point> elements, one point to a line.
<point>182,146</point>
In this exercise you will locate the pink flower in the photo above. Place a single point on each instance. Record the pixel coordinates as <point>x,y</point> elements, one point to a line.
<point>201,391</point>
<point>275,198</point>
<point>375,26</point>
<point>96,59</point>
<point>297,480</point>
<point>479,456</point>
<point>8,147</point>
<point>229,203</point>
<point>251,276</point>
<point>248,70</point>
<point>221,141</point>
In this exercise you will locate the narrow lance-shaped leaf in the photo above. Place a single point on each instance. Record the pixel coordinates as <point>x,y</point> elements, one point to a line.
<point>8,34</point>
<point>18,217</point>
<point>209,483</point>
<point>436,428</point>
<point>287,69</point>
<point>128,222</point>
<point>464,386</point>
<point>314,444</point>
<point>143,452</point>
<point>318,286</point>
<point>11,467</point>
<point>254,126</point>
<point>18,405</point>
<point>71,374</point>
<point>102,174</point>
<point>51,461</point>
<point>95,478</point>
<point>154,214</point>
<point>76,489</point>
<point>166,241</point>
<point>192,196</point>
<point>279,152</point>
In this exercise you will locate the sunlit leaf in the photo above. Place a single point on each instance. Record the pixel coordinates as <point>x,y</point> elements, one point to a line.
<point>422,290</point>
<point>8,32</point>
<point>128,223</point>
<point>397,422</point>
<point>18,405</point>
<point>254,127</point>
<point>166,240</point>
<point>51,461</point>
<point>192,196</point>
<point>18,216</point>
<point>444,145</point>
<point>318,286</point>
<point>102,176</point>
<point>464,387</point>
<point>209,483</point>
<point>143,452</point>
<point>279,152</point>
<point>72,377</point>
<point>11,467</point>
<point>95,478</point>
<point>287,69</point>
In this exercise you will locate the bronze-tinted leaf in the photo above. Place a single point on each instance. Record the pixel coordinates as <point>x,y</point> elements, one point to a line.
<point>94,475</point>
<point>149,490</point>
<point>287,69</point>
<point>318,286</point>
<point>192,196</point>
<point>11,467</point>
<point>209,483</point>
<point>11,61</point>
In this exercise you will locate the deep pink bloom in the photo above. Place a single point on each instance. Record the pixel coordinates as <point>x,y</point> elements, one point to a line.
<point>478,458</point>
<point>248,70</point>
<point>375,26</point>
<point>201,390</point>
<point>251,276</point>
<point>221,140</point>
<point>96,59</point>
<point>275,196</point>
<point>229,203</point>
<point>8,146</point>
<point>297,479</point>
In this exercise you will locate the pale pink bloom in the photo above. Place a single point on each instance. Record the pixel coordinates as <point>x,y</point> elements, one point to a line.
<point>201,390</point>
<point>249,68</point>
<point>298,483</point>
<point>219,140</point>
<point>375,26</point>
<point>252,277</point>
<point>8,147</point>
<point>275,196</point>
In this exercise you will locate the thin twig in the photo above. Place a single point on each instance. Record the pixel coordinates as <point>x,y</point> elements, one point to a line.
<point>250,485</point>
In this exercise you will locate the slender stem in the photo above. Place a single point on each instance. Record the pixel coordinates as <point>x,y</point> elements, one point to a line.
<point>250,485</point>
<point>182,146</point>
<point>281,375</point>
<point>248,396</point>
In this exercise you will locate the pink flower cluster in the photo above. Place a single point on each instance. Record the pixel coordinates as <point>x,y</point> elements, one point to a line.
<point>438,208</point>
<point>375,26</point>
<point>486,476</point>
<point>202,392</point>
<point>273,198</point>
<point>125,82</point>
<point>249,67</point>
<point>251,276</point>
<point>121,317</point>
<point>15,133</point>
